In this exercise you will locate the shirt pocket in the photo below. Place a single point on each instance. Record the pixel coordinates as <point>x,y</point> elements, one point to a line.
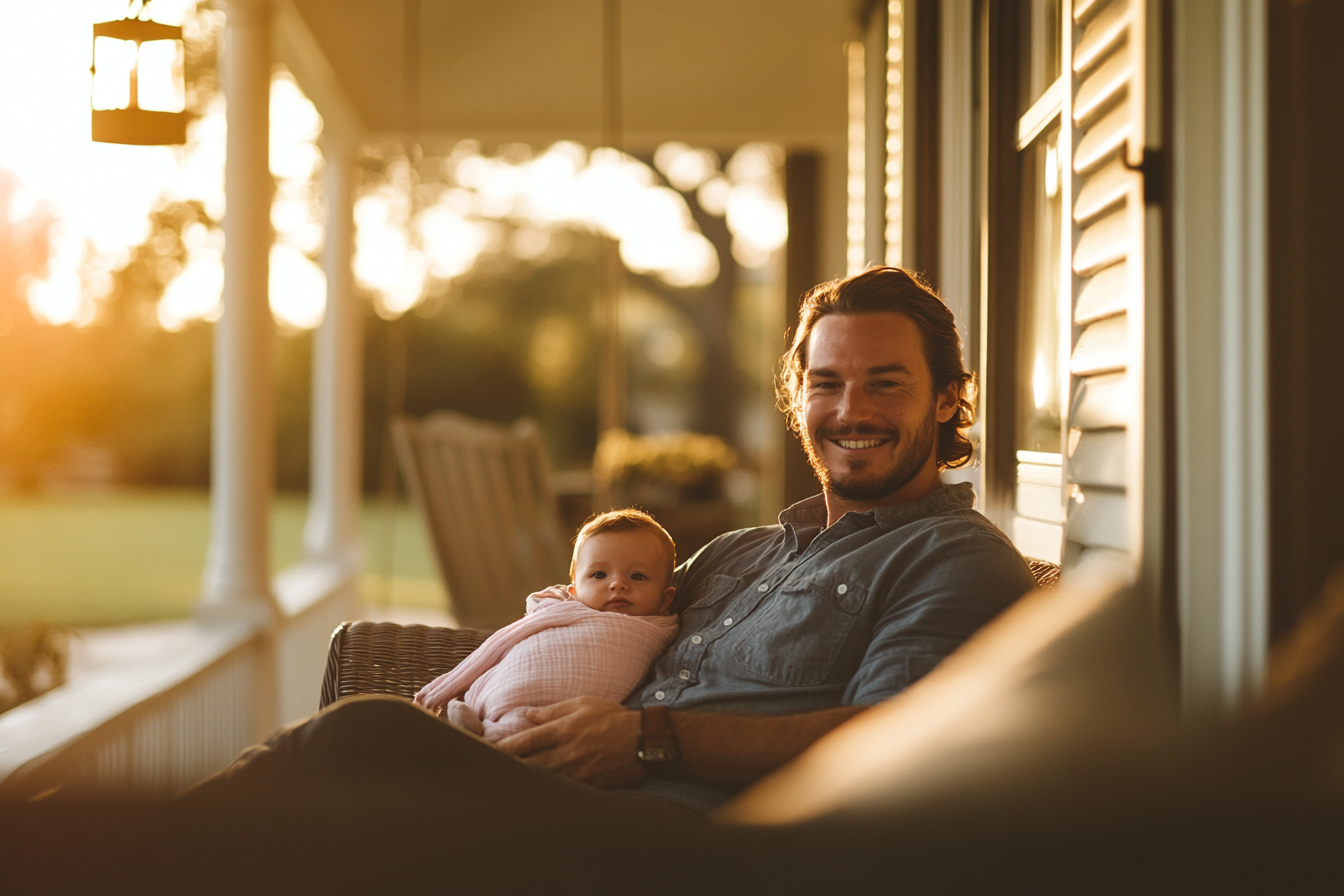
<point>799,635</point>
<point>717,588</point>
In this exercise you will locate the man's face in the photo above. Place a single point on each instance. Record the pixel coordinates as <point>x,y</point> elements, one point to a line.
<point>623,572</point>
<point>870,414</point>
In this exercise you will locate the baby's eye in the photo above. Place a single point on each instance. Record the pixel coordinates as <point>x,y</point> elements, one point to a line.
<point>599,574</point>
<point>640,576</point>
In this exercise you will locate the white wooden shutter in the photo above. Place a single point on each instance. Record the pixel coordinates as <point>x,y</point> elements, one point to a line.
<point>1105,274</point>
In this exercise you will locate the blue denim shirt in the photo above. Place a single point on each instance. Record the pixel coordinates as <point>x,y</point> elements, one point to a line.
<point>801,617</point>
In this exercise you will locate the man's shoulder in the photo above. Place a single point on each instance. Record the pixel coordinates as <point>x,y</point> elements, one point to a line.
<point>960,548</point>
<point>964,523</point>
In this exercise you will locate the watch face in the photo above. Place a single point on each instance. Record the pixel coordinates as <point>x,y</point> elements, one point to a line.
<point>658,752</point>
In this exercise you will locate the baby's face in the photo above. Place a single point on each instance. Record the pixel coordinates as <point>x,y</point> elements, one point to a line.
<point>623,572</point>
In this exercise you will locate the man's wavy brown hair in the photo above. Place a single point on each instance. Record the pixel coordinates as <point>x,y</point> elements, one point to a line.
<point>882,290</point>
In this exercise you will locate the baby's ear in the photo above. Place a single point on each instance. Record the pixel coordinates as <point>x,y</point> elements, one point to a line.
<point>668,594</point>
<point>571,589</point>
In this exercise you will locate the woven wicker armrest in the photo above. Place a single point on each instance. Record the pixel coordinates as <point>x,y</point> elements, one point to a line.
<point>1045,573</point>
<point>389,658</point>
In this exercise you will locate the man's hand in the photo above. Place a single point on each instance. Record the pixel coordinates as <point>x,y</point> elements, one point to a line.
<point>588,739</point>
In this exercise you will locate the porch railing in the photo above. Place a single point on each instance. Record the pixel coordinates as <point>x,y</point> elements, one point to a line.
<point>201,694</point>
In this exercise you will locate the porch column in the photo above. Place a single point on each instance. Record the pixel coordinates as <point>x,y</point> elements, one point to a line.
<point>237,575</point>
<point>332,529</point>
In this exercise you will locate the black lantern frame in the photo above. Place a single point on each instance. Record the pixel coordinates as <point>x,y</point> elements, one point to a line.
<point>133,125</point>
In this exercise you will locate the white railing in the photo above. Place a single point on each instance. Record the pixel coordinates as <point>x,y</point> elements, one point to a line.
<point>197,697</point>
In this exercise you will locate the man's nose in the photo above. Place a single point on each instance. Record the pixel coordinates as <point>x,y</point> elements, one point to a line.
<point>855,405</point>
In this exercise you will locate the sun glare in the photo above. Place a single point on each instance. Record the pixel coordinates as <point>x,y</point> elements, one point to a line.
<point>512,201</point>
<point>400,251</point>
<point>101,194</point>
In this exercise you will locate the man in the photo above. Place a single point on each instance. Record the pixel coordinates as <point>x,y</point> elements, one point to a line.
<point>788,630</point>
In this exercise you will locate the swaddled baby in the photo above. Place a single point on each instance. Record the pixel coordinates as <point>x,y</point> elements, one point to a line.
<point>597,637</point>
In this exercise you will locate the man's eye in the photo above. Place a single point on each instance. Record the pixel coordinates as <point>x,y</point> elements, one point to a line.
<point>824,385</point>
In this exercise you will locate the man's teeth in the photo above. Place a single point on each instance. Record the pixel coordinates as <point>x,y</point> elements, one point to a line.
<point>858,443</point>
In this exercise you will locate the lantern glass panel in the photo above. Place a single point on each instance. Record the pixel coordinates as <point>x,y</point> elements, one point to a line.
<point>113,62</point>
<point>160,76</point>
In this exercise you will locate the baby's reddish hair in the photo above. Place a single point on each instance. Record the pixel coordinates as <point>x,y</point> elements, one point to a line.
<point>625,520</point>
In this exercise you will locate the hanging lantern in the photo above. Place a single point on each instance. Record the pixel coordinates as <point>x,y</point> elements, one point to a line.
<point>127,49</point>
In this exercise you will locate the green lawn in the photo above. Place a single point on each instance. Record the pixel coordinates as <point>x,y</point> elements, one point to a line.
<point>134,556</point>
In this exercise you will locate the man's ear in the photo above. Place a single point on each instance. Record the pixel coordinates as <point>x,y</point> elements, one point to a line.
<point>668,593</point>
<point>947,403</point>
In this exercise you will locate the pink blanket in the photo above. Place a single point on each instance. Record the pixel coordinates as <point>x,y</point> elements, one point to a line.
<point>560,649</point>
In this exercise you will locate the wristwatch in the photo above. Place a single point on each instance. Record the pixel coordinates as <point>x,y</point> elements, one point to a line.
<point>658,752</point>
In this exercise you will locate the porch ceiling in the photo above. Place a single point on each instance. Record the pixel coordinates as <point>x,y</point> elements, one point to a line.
<point>712,72</point>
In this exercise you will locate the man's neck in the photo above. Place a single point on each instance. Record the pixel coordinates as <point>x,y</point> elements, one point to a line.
<point>917,489</point>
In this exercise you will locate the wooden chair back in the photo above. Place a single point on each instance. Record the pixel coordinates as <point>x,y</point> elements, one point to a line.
<point>484,491</point>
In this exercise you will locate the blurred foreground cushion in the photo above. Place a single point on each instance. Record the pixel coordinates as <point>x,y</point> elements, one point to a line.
<point>1067,688</point>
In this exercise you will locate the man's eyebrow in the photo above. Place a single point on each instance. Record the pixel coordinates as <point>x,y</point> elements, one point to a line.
<point>871,371</point>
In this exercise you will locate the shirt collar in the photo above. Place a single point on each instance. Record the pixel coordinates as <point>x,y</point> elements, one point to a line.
<point>955,496</point>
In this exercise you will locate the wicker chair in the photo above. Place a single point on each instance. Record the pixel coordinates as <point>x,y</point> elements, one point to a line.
<point>390,658</point>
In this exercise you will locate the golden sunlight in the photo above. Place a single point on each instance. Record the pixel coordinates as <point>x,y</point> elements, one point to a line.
<point>101,194</point>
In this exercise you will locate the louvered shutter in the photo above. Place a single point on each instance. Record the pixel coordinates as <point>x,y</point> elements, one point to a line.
<point>1106,117</point>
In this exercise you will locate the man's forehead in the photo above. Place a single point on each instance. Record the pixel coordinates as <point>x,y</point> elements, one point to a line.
<point>872,343</point>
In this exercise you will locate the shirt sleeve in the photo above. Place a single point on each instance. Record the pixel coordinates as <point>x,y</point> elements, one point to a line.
<point>951,581</point>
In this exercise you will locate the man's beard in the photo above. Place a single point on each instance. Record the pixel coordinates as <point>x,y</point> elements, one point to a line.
<point>910,457</point>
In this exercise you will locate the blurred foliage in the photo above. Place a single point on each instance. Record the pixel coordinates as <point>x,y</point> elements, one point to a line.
<point>122,400</point>
<point>663,469</point>
<point>32,662</point>
<point>201,33</point>
<point>471,349</point>
<point>119,399</point>
<point>25,243</point>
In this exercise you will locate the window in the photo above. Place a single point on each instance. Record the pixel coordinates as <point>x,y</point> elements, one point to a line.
<point>1027,363</point>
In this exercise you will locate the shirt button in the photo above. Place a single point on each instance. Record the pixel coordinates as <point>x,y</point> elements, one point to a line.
<point>696,639</point>
<point>762,588</point>
<point>728,621</point>
<point>659,695</point>
<point>685,673</point>
<point>842,589</point>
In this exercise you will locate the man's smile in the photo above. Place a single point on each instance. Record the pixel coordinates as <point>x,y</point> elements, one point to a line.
<point>854,444</point>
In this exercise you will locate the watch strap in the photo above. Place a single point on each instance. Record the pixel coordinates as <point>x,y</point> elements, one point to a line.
<point>658,752</point>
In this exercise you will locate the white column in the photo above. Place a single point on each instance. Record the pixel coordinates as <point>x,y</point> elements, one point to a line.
<point>242,476</point>
<point>1221,355</point>
<point>332,530</point>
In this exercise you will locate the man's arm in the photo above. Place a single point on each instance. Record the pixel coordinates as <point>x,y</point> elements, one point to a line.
<point>594,741</point>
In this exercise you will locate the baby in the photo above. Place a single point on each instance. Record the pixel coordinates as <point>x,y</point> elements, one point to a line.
<point>597,637</point>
